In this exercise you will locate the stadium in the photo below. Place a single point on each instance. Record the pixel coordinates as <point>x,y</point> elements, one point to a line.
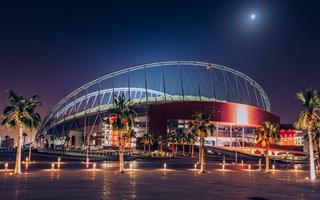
<point>165,95</point>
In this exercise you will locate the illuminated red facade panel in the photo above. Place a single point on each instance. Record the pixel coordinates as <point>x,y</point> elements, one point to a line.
<point>222,112</point>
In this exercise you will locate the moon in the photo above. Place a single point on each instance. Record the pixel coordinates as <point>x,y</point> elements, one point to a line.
<point>253,16</point>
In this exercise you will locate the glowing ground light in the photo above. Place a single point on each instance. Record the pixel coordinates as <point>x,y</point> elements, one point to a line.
<point>195,166</point>
<point>249,167</point>
<point>6,166</point>
<point>295,167</point>
<point>273,167</point>
<point>59,159</point>
<point>253,16</point>
<point>165,166</point>
<point>52,166</point>
<point>131,166</point>
<point>259,163</point>
<point>27,159</point>
<point>223,167</point>
<point>94,165</point>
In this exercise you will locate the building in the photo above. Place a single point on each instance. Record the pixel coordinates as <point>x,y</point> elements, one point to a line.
<point>291,138</point>
<point>7,143</point>
<point>165,95</point>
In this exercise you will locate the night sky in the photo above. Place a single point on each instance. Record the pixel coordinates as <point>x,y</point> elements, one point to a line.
<point>52,47</point>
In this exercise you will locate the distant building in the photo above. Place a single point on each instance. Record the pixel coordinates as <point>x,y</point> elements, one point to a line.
<point>7,143</point>
<point>289,136</point>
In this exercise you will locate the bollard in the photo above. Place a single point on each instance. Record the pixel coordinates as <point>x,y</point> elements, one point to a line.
<point>6,166</point>
<point>131,166</point>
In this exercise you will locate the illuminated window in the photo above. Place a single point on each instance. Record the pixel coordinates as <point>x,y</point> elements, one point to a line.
<point>242,115</point>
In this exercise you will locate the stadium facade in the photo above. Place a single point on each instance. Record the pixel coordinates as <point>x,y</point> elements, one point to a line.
<point>165,95</point>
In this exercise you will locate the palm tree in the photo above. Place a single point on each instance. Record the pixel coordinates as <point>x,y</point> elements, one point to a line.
<point>174,140</point>
<point>66,141</point>
<point>184,140</point>
<point>316,139</point>
<point>307,120</point>
<point>122,121</point>
<point>170,140</point>
<point>267,134</point>
<point>21,114</point>
<point>161,140</point>
<point>201,126</point>
<point>192,140</point>
<point>131,134</point>
<point>147,140</point>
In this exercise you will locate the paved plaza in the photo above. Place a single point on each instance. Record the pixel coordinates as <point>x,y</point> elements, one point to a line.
<point>148,180</point>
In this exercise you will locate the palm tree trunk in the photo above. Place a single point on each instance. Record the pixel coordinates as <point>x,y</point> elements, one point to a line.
<point>311,156</point>
<point>30,151</point>
<point>318,153</point>
<point>202,170</point>
<point>192,150</point>
<point>130,149</point>
<point>183,150</point>
<point>172,149</point>
<point>149,148</point>
<point>267,158</point>
<point>200,151</point>
<point>121,163</point>
<point>144,148</point>
<point>161,147</point>
<point>176,149</point>
<point>17,169</point>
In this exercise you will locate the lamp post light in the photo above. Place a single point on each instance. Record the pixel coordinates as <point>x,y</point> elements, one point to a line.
<point>52,166</point>
<point>165,166</point>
